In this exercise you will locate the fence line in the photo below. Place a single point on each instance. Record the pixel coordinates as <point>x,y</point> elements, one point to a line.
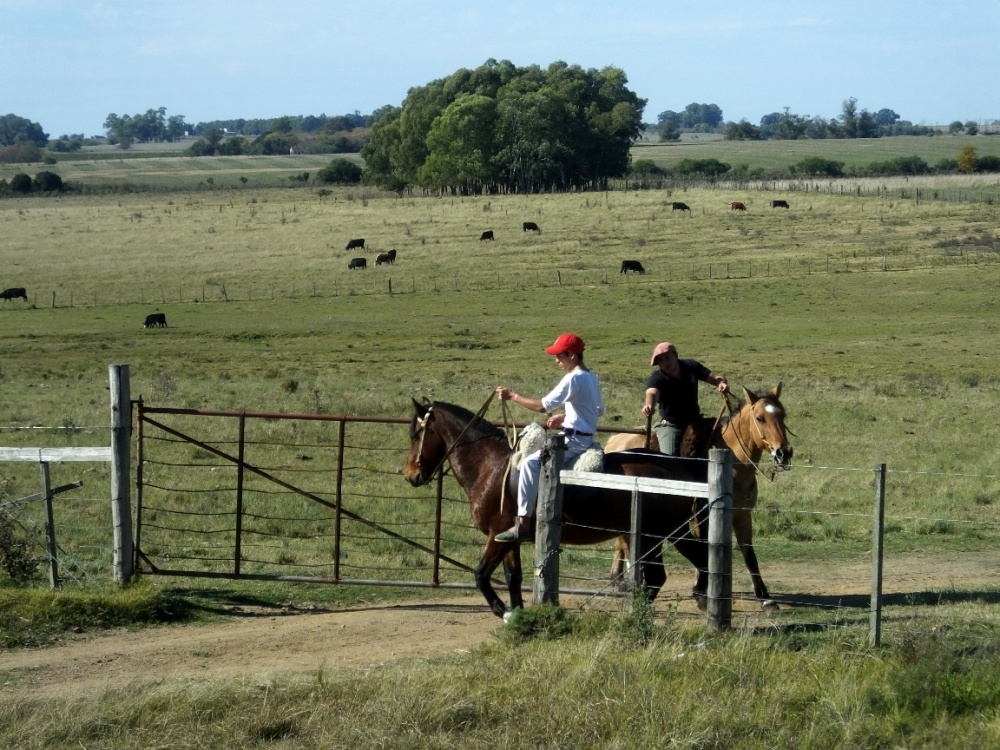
<point>556,278</point>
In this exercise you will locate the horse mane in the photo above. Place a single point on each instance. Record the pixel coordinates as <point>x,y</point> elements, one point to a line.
<point>478,428</point>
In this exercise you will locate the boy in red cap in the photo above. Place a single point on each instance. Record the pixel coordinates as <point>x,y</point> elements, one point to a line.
<point>579,392</point>
<point>674,385</point>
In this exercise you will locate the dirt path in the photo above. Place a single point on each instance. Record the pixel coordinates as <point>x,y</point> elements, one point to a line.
<point>259,644</point>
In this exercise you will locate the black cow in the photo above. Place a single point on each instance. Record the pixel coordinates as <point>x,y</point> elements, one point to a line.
<point>358,243</point>
<point>389,257</point>
<point>14,292</point>
<point>632,265</point>
<point>530,225</point>
<point>487,235</point>
<point>779,204</point>
<point>680,207</point>
<point>358,263</point>
<point>155,320</point>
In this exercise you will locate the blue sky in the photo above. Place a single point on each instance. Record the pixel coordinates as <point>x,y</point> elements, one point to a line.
<point>67,64</point>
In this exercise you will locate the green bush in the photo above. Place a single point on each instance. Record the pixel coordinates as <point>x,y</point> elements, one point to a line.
<point>340,171</point>
<point>706,167</point>
<point>49,182</point>
<point>20,183</point>
<point>816,166</point>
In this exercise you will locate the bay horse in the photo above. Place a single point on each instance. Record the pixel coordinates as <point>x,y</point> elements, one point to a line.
<point>478,453</point>
<point>757,425</point>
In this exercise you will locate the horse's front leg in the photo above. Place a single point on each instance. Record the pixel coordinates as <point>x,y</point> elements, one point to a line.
<point>514,575</point>
<point>493,553</point>
<point>743,531</point>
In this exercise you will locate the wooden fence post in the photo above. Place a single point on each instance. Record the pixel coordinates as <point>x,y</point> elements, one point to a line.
<point>720,539</point>
<point>548,524</point>
<point>635,540</point>
<point>50,527</point>
<point>878,540</point>
<point>121,464</point>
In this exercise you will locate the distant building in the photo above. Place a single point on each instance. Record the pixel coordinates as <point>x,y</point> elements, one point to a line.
<point>295,151</point>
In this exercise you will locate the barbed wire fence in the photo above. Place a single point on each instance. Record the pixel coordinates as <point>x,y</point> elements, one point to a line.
<point>340,512</point>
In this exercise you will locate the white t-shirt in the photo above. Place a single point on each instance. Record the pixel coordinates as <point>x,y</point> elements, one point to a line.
<point>580,393</point>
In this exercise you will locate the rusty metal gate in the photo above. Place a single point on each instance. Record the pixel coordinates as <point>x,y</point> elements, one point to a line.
<point>306,498</point>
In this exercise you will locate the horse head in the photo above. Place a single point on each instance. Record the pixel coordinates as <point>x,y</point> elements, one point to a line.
<point>427,446</point>
<point>768,420</point>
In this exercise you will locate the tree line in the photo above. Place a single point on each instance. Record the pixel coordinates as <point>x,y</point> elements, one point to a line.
<point>851,123</point>
<point>503,128</point>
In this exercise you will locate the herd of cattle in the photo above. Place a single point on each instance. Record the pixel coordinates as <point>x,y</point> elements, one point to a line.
<point>159,320</point>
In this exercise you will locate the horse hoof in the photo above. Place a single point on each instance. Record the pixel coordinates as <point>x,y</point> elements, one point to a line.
<point>769,605</point>
<point>702,601</point>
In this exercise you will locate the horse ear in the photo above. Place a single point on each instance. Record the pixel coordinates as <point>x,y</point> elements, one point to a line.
<point>751,397</point>
<point>776,391</point>
<point>418,407</point>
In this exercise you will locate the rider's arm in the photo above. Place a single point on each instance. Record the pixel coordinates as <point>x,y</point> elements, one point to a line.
<point>719,381</point>
<point>649,401</point>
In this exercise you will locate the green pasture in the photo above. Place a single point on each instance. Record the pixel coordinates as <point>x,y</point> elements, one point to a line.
<point>774,155</point>
<point>877,314</point>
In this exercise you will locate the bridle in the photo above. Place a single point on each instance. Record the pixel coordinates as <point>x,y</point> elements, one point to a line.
<point>422,424</point>
<point>760,436</point>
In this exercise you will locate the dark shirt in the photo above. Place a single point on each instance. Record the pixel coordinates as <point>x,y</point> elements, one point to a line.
<point>678,397</point>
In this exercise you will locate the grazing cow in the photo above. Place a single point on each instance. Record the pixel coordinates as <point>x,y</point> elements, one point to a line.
<point>737,206</point>
<point>632,265</point>
<point>680,207</point>
<point>14,293</point>
<point>530,225</point>
<point>387,258</point>
<point>487,235</point>
<point>358,263</point>
<point>155,320</point>
<point>356,244</point>
<point>779,204</point>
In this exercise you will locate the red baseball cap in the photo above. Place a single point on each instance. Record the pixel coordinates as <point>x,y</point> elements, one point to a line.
<point>660,349</point>
<point>568,342</point>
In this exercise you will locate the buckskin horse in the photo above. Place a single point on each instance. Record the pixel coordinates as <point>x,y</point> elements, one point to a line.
<point>757,425</point>
<point>478,453</point>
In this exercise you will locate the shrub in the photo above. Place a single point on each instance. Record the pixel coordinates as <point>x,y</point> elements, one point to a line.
<point>20,183</point>
<point>707,167</point>
<point>340,171</point>
<point>988,164</point>
<point>49,182</point>
<point>818,166</point>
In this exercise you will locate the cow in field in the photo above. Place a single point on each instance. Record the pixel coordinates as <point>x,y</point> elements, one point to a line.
<point>155,320</point>
<point>779,204</point>
<point>387,258</point>
<point>356,244</point>
<point>632,265</point>
<point>679,206</point>
<point>530,226</point>
<point>357,263</point>
<point>737,206</point>
<point>487,235</point>
<point>15,292</point>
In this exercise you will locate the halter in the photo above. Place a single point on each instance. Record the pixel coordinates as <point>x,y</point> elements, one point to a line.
<point>760,435</point>
<point>422,426</point>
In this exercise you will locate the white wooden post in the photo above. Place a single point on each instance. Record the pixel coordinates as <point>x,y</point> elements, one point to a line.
<point>121,463</point>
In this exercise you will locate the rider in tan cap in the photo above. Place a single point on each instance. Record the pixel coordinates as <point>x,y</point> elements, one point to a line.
<point>674,386</point>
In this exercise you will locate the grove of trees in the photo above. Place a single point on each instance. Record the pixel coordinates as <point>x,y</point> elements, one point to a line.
<point>501,128</point>
<point>150,127</point>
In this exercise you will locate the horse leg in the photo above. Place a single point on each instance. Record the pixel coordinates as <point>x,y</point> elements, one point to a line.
<point>619,563</point>
<point>743,531</point>
<point>492,555</point>
<point>512,572</point>
<point>696,552</point>
<point>654,575</point>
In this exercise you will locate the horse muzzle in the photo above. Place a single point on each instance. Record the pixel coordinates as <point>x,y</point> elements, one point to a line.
<point>414,474</point>
<point>782,457</point>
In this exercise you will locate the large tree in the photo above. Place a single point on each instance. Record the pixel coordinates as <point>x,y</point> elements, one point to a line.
<point>14,130</point>
<point>499,127</point>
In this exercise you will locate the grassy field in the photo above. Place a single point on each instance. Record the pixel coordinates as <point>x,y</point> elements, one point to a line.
<point>879,316</point>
